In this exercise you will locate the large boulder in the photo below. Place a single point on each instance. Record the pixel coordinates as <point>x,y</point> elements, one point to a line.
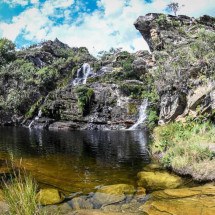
<point>186,201</point>
<point>158,180</point>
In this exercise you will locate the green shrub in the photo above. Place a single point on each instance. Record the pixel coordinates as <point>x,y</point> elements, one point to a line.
<point>85,96</point>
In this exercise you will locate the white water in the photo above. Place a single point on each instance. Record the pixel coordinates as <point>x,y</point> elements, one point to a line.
<point>39,115</point>
<point>82,74</point>
<point>31,124</point>
<point>142,115</point>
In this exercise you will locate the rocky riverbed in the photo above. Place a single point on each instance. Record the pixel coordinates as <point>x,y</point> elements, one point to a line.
<point>157,192</point>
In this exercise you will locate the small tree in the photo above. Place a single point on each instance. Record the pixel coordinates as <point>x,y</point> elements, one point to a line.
<point>173,7</point>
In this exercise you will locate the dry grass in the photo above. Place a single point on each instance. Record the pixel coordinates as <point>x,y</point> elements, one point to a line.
<point>185,148</point>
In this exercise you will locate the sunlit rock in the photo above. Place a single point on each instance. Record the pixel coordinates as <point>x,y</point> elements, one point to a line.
<point>158,180</point>
<point>49,196</point>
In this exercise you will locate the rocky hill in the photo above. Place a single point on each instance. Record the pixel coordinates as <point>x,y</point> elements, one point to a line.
<point>51,85</point>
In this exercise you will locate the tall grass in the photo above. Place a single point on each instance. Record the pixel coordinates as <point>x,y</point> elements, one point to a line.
<point>20,195</point>
<point>186,148</point>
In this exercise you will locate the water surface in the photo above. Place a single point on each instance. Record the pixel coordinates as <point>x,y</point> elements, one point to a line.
<point>78,160</point>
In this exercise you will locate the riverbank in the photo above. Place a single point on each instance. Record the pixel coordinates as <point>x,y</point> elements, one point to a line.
<point>186,148</point>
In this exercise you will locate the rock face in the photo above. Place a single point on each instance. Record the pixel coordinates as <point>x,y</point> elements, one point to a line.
<point>197,200</point>
<point>183,49</point>
<point>51,85</point>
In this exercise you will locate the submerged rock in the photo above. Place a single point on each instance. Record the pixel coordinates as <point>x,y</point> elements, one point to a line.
<point>112,194</point>
<point>158,180</point>
<point>80,203</point>
<point>49,196</point>
<point>186,201</point>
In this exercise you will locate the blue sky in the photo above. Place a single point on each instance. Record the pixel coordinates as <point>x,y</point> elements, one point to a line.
<point>95,24</point>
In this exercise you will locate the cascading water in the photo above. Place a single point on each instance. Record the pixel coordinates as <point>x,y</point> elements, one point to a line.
<point>142,115</point>
<point>82,74</point>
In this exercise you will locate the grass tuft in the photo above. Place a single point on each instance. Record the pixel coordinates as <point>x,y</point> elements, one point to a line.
<point>20,195</point>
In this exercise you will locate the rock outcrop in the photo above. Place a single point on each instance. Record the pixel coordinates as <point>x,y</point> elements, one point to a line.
<point>183,49</point>
<point>51,85</point>
<point>197,200</point>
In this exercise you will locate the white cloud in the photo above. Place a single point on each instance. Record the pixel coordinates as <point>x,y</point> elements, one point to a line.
<point>112,7</point>
<point>13,3</point>
<point>109,26</point>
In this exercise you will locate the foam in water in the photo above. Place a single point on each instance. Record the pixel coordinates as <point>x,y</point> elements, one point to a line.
<point>82,74</point>
<point>142,115</point>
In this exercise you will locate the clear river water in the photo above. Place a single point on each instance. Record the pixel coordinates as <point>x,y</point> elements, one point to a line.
<point>76,161</point>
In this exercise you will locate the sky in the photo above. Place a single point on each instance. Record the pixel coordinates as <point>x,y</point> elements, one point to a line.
<point>95,24</point>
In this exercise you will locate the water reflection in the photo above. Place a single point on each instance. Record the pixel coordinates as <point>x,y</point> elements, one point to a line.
<point>78,160</point>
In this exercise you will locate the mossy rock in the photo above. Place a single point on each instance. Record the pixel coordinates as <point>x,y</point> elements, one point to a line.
<point>49,196</point>
<point>158,180</point>
<point>117,189</point>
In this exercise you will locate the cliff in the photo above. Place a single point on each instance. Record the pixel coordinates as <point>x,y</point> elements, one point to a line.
<point>183,49</point>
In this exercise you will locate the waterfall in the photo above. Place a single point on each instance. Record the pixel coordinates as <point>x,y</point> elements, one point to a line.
<point>82,74</point>
<point>142,115</point>
<point>31,124</point>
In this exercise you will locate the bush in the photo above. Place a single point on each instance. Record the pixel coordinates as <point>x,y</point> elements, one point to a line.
<point>85,96</point>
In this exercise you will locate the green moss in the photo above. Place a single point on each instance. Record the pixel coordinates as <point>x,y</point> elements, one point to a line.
<point>152,118</point>
<point>132,109</point>
<point>132,90</point>
<point>34,109</point>
<point>85,96</point>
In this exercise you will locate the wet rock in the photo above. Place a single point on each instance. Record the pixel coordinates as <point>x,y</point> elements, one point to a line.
<point>63,126</point>
<point>49,196</point>
<point>140,194</point>
<point>186,201</point>
<point>158,180</point>
<point>80,203</point>
<point>112,194</point>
